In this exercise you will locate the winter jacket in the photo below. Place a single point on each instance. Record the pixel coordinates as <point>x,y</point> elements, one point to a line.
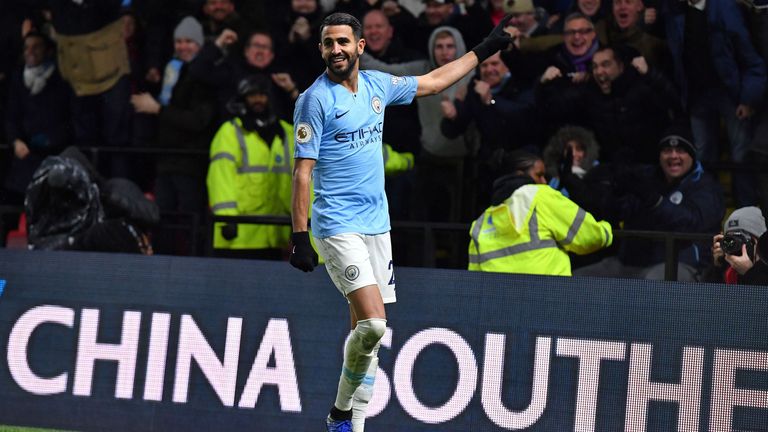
<point>693,205</point>
<point>42,121</point>
<point>224,72</point>
<point>740,68</point>
<point>248,176</point>
<point>629,121</point>
<point>509,122</point>
<point>187,122</point>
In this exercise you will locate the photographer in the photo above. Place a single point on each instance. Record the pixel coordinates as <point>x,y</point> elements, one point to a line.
<point>736,246</point>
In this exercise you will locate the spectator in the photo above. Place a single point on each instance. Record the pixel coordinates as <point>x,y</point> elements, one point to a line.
<point>595,10</point>
<point>383,44</point>
<point>501,109</point>
<point>496,10</point>
<point>219,15</point>
<point>473,22</point>
<point>38,118</point>
<point>524,18</point>
<point>576,148</point>
<point>185,111</point>
<point>758,274</point>
<point>625,27</point>
<point>736,245</point>
<point>403,127</point>
<point>440,167</point>
<point>296,35</point>
<point>757,19</point>
<point>676,195</point>
<point>250,174</point>
<point>530,227</point>
<point>222,70</point>
<point>563,81</point>
<point>503,113</point>
<point>529,56</point>
<point>722,79</point>
<point>400,17</point>
<point>628,103</point>
<point>356,8</point>
<point>93,58</point>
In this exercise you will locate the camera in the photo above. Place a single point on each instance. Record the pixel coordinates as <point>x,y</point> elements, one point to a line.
<point>733,241</point>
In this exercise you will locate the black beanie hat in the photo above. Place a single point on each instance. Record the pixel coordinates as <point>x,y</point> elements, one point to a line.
<point>678,135</point>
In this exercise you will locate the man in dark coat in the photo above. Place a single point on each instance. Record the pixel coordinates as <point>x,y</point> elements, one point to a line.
<point>628,105</point>
<point>38,117</point>
<point>676,195</point>
<point>185,111</point>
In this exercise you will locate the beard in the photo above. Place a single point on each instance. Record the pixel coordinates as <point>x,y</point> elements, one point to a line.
<point>339,72</point>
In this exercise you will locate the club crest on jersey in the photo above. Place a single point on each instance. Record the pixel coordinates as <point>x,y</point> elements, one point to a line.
<point>376,104</point>
<point>303,133</point>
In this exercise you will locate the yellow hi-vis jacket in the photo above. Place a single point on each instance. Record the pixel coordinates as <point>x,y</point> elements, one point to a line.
<point>396,162</point>
<point>532,232</point>
<point>248,176</point>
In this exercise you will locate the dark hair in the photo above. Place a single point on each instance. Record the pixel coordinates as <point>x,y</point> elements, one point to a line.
<point>518,161</point>
<point>340,18</point>
<point>621,53</point>
<point>762,247</point>
<point>251,34</point>
<point>47,41</point>
<point>553,152</point>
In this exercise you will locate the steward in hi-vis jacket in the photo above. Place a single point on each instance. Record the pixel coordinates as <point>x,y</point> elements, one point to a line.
<point>250,174</point>
<point>530,228</point>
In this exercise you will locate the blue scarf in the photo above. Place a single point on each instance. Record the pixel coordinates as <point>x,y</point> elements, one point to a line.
<point>170,78</point>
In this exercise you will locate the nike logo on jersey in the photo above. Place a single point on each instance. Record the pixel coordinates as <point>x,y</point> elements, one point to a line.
<point>342,114</point>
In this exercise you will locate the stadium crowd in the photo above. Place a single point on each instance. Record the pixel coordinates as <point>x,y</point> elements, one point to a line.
<point>630,106</point>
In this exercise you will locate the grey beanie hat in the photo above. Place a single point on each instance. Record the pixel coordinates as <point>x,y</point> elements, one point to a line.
<point>189,28</point>
<point>747,219</point>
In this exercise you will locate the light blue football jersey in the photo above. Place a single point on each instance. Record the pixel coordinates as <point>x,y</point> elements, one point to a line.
<point>342,131</point>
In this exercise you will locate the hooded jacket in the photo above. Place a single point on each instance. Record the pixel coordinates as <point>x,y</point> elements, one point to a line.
<point>532,230</point>
<point>430,113</point>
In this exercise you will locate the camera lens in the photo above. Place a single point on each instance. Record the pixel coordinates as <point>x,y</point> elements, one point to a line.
<point>731,244</point>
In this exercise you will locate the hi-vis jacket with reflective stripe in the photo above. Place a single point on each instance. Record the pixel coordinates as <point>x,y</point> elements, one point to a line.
<point>532,231</point>
<point>248,176</point>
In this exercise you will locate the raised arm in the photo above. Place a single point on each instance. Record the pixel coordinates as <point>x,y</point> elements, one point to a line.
<point>444,76</point>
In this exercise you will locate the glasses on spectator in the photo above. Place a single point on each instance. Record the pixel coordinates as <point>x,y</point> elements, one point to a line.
<point>574,32</point>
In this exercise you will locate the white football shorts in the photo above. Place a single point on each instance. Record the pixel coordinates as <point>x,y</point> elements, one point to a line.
<point>357,260</point>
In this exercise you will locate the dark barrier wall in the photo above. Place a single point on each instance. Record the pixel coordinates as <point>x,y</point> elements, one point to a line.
<point>129,343</point>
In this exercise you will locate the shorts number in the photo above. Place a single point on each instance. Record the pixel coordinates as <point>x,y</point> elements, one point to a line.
<point>391,279</point>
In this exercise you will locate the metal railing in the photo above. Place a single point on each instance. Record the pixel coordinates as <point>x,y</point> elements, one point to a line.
<point>429,230</point>
<point>429,233</point>
<point>672,240</point>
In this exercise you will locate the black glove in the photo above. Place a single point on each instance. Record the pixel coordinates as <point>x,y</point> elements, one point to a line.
<point>648,189</point>
<point>496,40</point>
<point>565,166</point>
<point>303,256</point>
<point>229,231</point>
